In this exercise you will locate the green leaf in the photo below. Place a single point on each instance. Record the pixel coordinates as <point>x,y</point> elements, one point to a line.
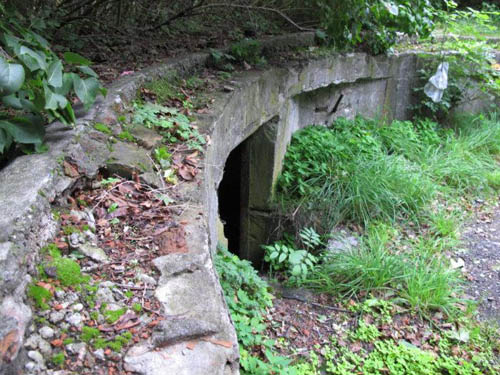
<point>86,90</point>
<point>12,101</point>
<point>55,74</point>
<point>12,43</point>
<point>295,257</point>
<point>274,255</point>
<point>391,7</point>
<point>76,59</point>
<point>24,130</point>
<point>11,77</point>
<point>88,71</point>
<point>5,140</point>
<point>69,114</point>
<point>41,40</point>
<point>296,270</point>
<point>67,84</point>
<point>33,60</point>
<point>54,101</point>
<point>282,257</point>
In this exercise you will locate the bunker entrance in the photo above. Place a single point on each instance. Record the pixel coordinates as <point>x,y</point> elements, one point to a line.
<point>245,192</point>
<point>230,198</point>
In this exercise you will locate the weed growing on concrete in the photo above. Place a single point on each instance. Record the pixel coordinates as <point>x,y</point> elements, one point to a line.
<point>103,128</point>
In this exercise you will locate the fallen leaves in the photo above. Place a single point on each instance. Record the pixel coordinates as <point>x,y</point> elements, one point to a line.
<point>70,170</point>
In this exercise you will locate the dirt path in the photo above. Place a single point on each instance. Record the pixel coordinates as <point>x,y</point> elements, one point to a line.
<point>482,263</point>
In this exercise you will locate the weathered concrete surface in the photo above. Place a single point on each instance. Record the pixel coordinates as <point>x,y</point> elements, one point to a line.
<point>267,107</point>
<point>270,105</point>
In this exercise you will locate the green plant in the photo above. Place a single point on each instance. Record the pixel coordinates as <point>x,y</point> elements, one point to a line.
<point>248,298</point>
<point>222,61</point>
<point>103,128</point>
<point>58,359</point>
<point>109,181</point>
<point>40,295</point>
<point>444,225</point>
<point>430,285</point>
<point>296,263</point>
<point>163,157</point>
<point>365,332</point>
<point>70,229</point>
<point>165,88</point>
<point>113,315</point>
<point>129,294</point>
<point>137,307</point>
<point>113,207</point>
<point>89,333</point>
<point>374,23</point>
<point>126,136</point>
<point>174,126</point>
<point>248,50</point>
<point>34,83</point>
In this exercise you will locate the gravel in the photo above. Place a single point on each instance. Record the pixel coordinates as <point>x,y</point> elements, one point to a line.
<point>482,264</point>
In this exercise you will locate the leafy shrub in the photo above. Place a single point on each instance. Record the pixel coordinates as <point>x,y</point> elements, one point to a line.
<point>248,50</point>
<point>248,298</point>
<point>34,83</point>
<point>374,23</point>
<point>471,74</point>
<point>246,294</point>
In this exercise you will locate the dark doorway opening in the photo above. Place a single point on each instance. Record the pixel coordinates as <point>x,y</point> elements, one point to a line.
<point>230,194</point>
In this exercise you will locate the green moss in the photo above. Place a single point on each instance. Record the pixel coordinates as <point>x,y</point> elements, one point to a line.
<point>114,345</point>
<point>68,272</point>
<point>41,321</point>
<point>91,288</point>
<point>89,333</point>
<point>100,343</point>
<point>40,295</point>
<point>137,307</point>
<point>113,315</point>
<point>58,359</point>
<point>68,341</point>
<point>52,250</point>
<point>126,136</point>
<point>129,294</point>
<point>119,342</point>
<point>70,229</point>
<point>103,128</point>
<point>94,315</point>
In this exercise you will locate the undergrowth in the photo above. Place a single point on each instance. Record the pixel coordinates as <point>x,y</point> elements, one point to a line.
<point>358,171</point>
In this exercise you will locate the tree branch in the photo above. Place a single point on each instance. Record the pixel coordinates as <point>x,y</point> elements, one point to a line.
<point>225,5</point>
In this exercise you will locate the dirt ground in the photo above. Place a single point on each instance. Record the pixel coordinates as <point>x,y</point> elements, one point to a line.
<point>482,262</point>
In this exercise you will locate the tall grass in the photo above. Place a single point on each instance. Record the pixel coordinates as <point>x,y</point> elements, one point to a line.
<point>359,172</point>
<point>422,282</point>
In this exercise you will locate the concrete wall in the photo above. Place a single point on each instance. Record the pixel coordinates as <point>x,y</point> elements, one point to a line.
<point>268,107</point>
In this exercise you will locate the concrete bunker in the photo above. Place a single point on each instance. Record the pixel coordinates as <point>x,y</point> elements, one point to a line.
<point>245,193</point>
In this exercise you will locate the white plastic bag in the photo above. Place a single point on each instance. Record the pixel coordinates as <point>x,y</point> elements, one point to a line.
<point>434,89</point>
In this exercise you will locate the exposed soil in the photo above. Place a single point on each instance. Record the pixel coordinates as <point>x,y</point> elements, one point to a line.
<point>482,262</point>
